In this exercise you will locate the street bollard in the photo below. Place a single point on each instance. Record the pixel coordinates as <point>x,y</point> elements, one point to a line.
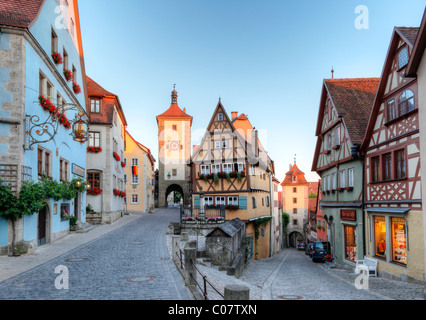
<point>236,292</point>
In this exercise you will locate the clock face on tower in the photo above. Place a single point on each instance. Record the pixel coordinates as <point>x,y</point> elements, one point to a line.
<point>174,145</point>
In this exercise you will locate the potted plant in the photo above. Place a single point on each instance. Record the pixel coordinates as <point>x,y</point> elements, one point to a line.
<point>94,149</point>
<point>94,191</point>
<point>73,223</point>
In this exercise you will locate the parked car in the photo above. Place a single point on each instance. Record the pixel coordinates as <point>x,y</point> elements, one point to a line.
<point>309,248</point>
<point>301,246</point>
<point>320,250</point>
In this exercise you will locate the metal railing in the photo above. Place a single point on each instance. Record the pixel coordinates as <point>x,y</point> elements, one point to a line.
<point>202,215</point>
<point>206,282</point>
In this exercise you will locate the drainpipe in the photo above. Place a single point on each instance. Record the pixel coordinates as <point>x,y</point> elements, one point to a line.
<point>356,154</point>
<point>271,234</point>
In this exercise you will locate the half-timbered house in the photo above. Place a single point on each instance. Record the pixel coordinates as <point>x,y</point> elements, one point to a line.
<point>344,110</point>
<point>230,168</point>
<point>391,147</point>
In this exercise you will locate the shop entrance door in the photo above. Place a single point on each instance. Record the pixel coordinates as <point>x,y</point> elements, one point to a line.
<point>41,227</point>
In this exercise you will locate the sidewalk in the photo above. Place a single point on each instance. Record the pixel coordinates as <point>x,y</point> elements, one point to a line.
<point>11,266</point>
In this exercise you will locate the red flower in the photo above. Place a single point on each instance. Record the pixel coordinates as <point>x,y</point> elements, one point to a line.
<point>94,149</point>
<point>68,74</point>
<point>94,191</point>
<point>57,58</point>
<point>116,156</point>
<point>76,88</point>
<point>123,164</point>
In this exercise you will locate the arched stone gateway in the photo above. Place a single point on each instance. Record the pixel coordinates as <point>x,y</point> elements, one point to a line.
<point>177,194</point>
<point>294,238</point>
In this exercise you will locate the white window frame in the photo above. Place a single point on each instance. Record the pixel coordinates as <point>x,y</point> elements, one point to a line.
<point>240,166</point>
<point>227,167</point>
<point>220,200</point>
<point>337,136</point>
<point>224,144</point>
<point>217,145</point>
<point>342,179</point>
<point>253,169</point>
<point>220,117</point>
<point>215,168</point>
<point>351,177</point>
<point>208,201</point>
<point>135,162</point>
<point>204,169</point>
<point>135,178</point>
<point>233,200</point>
<point>137,197</point>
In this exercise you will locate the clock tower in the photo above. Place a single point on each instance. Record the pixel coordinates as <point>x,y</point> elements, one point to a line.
<point>174,152</point>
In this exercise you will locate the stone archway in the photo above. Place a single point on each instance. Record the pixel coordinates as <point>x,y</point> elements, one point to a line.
<point>176,191</point>
<point>295,237</point>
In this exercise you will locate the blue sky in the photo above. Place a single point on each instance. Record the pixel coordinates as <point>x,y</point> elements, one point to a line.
<point>266,59</point>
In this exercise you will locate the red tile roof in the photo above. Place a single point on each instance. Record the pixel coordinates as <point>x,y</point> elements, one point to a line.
<point>353,99</point>
<point>174,112</point>
<point>107,109</point>
<point>410,33</point>
<point>300,177</point>
<point>19,13</point>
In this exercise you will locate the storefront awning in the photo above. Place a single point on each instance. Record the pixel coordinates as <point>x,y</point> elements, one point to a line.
<point>387,210</point>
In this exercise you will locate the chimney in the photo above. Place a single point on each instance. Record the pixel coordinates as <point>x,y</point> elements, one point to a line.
<point>234,115</point>
<point>256,143</point>
<point>184,110</point>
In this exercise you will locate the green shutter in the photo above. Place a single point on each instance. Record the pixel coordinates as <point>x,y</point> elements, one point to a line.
<point>242,202</point>
<point>196,202</point>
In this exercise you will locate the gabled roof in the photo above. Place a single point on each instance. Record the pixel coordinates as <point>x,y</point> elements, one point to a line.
<point>407,35</point>
<point>418,49</point>
<point>95,90</point>
<point>107,114</point>
<point>143,148</point>
<point>353,100</point>
<point>20,13</point>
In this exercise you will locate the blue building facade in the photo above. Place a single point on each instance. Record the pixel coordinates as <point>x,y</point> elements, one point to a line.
<point>29,71</point>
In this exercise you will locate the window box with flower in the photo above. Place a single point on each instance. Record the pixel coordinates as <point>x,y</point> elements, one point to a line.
<point>65,215</point>
<point>56,57</point>
<point>94,191</point>
<point>76,87</point>
<point>116,156</point>
<point>94,149</point>
<point>68,74</point>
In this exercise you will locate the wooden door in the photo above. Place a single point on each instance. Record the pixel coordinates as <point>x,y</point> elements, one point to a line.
<point>41,227</point>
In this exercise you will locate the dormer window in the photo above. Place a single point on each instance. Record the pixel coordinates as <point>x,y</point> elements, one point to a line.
<point>294,179</point>
<point>402,57</point>
<point>220,117</point>
<point>95,105</point>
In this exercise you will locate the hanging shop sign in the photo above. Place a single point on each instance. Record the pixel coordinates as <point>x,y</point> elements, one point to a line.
<point>348,215</point>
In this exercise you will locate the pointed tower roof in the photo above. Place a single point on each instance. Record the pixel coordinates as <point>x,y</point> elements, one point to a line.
<point>294,177</point>
<point>174,112</point>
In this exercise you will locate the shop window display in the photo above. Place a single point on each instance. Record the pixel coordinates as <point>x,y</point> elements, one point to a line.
<point>399,241</point>
<point>380,236</point>
<point>350,243</point>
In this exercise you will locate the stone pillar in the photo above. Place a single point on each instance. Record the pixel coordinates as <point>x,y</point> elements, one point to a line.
<point>175,250</point>
<point>236,292</point>
<point>190,271</point>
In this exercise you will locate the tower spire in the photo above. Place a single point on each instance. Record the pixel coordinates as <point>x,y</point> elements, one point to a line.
<point>174,95</point>
<point>332,72</point>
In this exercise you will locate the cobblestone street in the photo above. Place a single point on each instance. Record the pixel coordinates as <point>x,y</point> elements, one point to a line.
<point>130,262</point>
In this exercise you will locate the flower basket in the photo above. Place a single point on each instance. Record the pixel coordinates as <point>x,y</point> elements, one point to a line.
<point>232,207</point>
<point>123,164</point>
<point>65,122</point>
<point>215,219</point>
<point>94,191</point>
<point>67,74</point>
<point>94,149</point>
<point>76,88</point>
<point>57,58</point>
<point>122,194</point>
<point>116,156</point>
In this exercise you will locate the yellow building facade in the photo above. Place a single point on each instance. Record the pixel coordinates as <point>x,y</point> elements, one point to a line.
<point>139,176</point>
